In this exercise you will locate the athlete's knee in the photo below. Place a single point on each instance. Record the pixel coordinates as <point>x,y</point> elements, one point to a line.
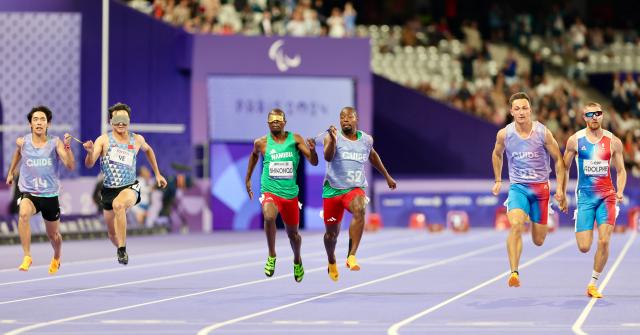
<point>584,248</point>
<point>24,216</point>
<point>331,235</point>
<point>517,227</point>
<point>54,236</point>
<point>603,243</point>
<point>538,240</point>
<point>119,206</point>
<point>293,235</point>
<point>358,211</point>
<point>270,216</point>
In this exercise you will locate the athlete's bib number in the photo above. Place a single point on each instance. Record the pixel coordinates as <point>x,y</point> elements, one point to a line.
<point>354,176</point>
<point>40,183</point>
<point>525,173</point>
<point>121,156</point>
<point>281,170</point>
<point>595,167</point>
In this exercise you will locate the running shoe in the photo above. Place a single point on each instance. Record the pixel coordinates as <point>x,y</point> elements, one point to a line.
<point>54,266</point>
<point>270,267</point>
<point>333,271</point>
<point>123,258</point>
<point>26,263</point>
<point>592,291</point>
<point>514,280</point>
<point>298,272</point>
<point>352,263</point>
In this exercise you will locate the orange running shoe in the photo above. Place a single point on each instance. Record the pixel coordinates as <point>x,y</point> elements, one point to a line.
<point>514,280</point>
<point>54,266</point>
<point>352,263</point>
<point>26,263</point>
<point>333,271</point>
<point>592,291</point>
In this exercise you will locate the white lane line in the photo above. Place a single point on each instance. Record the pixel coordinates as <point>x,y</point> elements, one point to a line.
<point>152,254</point>
<point>190,250</point>
<point>143,322</point>
<point>577,326</point>
<point>218,269</point>
<point>218,325</point>
<point>393,330</point>
<point>219,289</point>
<point>316,322</point>
<point>135,267</point>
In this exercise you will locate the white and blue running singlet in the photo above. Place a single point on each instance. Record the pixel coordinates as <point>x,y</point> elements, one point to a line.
<point>119,164</point>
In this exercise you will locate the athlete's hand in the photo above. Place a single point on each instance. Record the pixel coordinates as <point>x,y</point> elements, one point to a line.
<point>333,133</point>
<point>619,196</point>
<point>249,191</point>
<point>496,188</point>
<point>10,179</point>
<point>160,181</point>
<point>391,182</point>
<point>88,145</point>
<point>67,139</point>
<point>561,198</point>
<point>311,142</point>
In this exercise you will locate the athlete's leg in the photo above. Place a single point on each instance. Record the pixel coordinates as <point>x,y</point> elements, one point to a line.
<point>517,219</point>
<point>585,216</point>
<point>357,209</point>
<point>109,220</point>
<point>125,200</point>
<point>602,253</point>
<point>26,211</point>
<point>606,218</point>
<point>53,232</point>
<point>290,213</point>
<point>270,213</point>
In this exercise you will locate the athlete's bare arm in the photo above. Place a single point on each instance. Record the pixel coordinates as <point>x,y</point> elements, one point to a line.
<point>375,160</point>
<point>151,158</point>
<point>330,141</point>
<point>496,160</point>
<point>66,155</point>
<point>308,148</point>
<point>94,150</point>
<point>569,155</point>
<point>258,148</point>
<point>618,163</point>
<point>552,147</point>
<point>17,156</point>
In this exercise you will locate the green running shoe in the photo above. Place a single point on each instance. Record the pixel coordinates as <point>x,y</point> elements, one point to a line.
<point>298,272</point>
<point>270,267</point>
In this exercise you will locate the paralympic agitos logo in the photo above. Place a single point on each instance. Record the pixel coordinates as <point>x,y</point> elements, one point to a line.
<point>283,62</point>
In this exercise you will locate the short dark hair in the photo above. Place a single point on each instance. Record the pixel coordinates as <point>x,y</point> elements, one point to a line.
<point>41,108</point>
<point>517,96</point>
<point>119,106</point>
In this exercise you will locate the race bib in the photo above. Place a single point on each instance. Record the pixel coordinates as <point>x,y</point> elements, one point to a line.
<point>595,167</point>
<point>281,170</point>
<point>121,156</point>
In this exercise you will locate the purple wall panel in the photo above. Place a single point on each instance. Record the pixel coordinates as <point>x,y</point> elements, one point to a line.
<point>145,74</point>
<point>418,136</point>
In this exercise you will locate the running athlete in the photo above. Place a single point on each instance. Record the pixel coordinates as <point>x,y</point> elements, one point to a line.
<point>528,145</point>
<point>595,150</point>
<point>346,153</point>
<point>39,182</point>
<point>280,150</point>
<point>117,151</point>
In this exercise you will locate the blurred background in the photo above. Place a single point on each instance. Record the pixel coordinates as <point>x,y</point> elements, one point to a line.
<point>430,79</point>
